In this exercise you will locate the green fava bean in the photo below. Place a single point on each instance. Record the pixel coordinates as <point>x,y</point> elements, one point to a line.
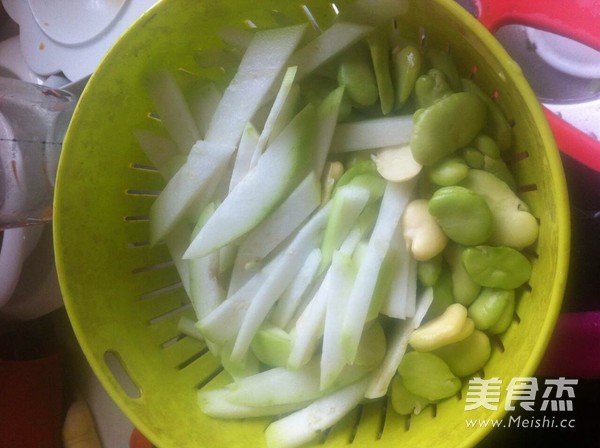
<point>514,225</point>
<point>497,267</point>
<point>445,126</point>
<point>407,68</point>
<point>464,289</point>
<point>499,169</point>
<point>380,50</point>
<point>463,215</point>
<point>430,88</point>
<point>487,146</point>
<point>318,87</point>
<point>449,171</point>
<point>429,271</point>
<point>427,375</point>
<point>442,61</point>
<point>506,318</point>
<point>442,294</point>
<point>404,401</point>
<point>468,356</point>
<point>472,157</point>
<point>356,74</point>
<point>497,125</point>
<point>489,306</point>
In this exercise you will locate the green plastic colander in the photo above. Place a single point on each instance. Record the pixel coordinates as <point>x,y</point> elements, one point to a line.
<point>124,298</point>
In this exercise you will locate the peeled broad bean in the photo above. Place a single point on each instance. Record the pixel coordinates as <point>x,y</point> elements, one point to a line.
<point>468,356</point>
<point>449,171</point>
<point>422,234</point>
<point>452,325</point>
<point>427,375</point>
<point>464,289</point>
<point>496,267</point>
<point>489,306</point>
<point>396,163</point>
<point>514,226</point>
<point>447,125</point>
<point>404,401</point>
<point>463,215</point>
<point>407,68</point>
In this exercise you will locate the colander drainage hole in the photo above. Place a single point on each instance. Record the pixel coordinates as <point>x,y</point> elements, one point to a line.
<point>354,428</point>
<point>311,18</point>
<point>209,378</point>
<point>498,343</point>
<point>182,365</point>
<point>119,372</point>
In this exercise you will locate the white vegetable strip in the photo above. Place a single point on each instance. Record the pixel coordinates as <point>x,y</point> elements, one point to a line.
<point>378,386</point>
<point>238,369</point>
<point>215,403</point>
<point>176,244</point>
<point>203,104</point>
<point>292,297</point>
<point>261,67</point>
<point>400,300</point>
<point>343,272</point>
<point>243,157</point>
<point>328,114</point>
<point>372,133</point>
<point>205,290</point>
<point>304,425</point>
<point>309,326</point>
<point>287,112</point>
<point>161,151</point>
<point>235,37</point>
<point>394,201</point>
<point>278,105</point>
<point>277,386</point>
<point>347,204</point>
<point>328,44</point>
<point>283,386</point>
<point>411,289</point>
<point>187,326</point>
<point>279,278</point>
<point>278,172</point>
<point>224,322</point>
<point>187,188</point>
<point>373,12</point>
<point>278,226</point>
<point>173,110</point>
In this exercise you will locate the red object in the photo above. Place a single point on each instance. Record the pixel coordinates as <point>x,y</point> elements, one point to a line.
<point>579,21</point>
<point>574,351</point>
<point>31,402</point>
<point>138,440</point>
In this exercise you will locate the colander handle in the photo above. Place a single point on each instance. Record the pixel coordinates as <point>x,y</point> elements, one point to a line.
<point>579,21</point>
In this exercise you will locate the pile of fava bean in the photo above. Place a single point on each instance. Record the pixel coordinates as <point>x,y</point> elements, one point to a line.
<point>467,228</point>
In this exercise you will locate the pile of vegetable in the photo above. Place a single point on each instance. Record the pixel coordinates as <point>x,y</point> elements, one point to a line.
<point>342,219</point>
